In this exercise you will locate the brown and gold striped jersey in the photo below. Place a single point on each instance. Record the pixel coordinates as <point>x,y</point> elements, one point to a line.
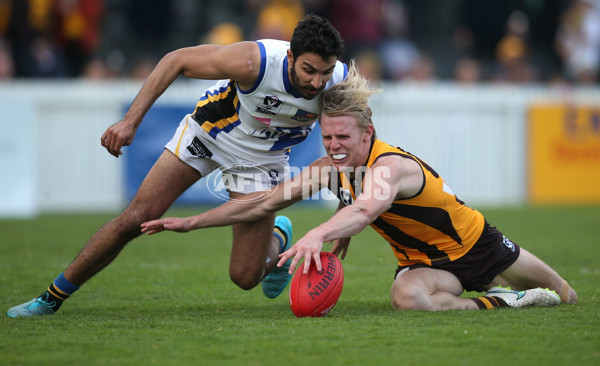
<point>433,226</point>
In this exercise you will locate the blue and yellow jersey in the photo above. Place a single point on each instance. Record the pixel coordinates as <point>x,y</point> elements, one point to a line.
<point>270,116</point>
<point>432,227</point>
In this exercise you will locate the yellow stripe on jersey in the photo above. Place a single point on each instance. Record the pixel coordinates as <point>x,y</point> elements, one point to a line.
<point>211,98</point>
<point>223,105</point>
<point>223,123</point>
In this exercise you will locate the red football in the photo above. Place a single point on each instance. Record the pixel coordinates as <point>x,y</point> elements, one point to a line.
<point>314,294</point>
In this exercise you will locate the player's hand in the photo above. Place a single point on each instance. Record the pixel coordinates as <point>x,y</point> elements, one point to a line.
<point>340,246</point>
<point>180,225</point>
<point>308,248</point>
<point>116,136</point>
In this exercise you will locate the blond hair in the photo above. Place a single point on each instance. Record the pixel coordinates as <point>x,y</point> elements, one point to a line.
<point>350,98</point>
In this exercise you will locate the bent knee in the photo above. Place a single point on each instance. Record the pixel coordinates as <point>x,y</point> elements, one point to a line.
<point>408,297</point>
<point>245,279</point>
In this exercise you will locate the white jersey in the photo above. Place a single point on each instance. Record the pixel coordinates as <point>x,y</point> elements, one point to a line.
<point>270,116</point>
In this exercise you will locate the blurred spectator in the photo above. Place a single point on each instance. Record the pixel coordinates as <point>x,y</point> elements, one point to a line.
<point>31,34</point>
<point>499,40</point>
<point>5,15</point>
<point>142,68</point>
<point>512,62</point>
<point>44,59</point>
<point>96,69</point>
<point>7,65</point>
<point>369,65</point>
<point>398,57</point>
<point>278,18</point>
<point>578,41</point>
<point>78,30</point>
<point>224,33</point>
<point>423,70</point>
<point>398,53</point>
<point>360,23</point>
<point>481,26</point>
<point>242,13</point>
<point>467,70</point>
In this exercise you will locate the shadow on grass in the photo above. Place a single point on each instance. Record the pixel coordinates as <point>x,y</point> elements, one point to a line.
<point>215,310</point>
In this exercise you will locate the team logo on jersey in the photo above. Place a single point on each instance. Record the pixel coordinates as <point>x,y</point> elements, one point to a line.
<point>304,116</point>
<point>509,244</point>
<point>273,177</point>
<point>270,104</point>
<point>197,148</point>
<point>345,196</point>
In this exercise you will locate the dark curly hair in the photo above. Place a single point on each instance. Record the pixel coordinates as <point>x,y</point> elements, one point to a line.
<point>316,35</point>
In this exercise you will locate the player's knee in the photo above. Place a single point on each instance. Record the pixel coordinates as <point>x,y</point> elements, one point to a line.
<point>244,278</point>
<point>407,297</point>
<point>132,217</point>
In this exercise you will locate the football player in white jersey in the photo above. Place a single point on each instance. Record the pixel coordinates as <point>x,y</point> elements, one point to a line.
<point>266,103</point>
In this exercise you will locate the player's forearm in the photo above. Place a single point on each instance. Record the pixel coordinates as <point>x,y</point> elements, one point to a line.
<point>228,214</point>
<point>344,224</point>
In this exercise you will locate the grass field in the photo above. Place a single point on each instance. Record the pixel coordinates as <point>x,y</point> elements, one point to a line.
<point>168,300</point>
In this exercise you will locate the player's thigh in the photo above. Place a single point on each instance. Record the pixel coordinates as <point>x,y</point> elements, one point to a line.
<point>168,178</point>
<point>425,281</point>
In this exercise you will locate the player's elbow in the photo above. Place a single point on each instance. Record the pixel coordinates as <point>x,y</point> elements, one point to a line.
<point>363,220</point>
<point>178,61</point>
<point>364,216</point>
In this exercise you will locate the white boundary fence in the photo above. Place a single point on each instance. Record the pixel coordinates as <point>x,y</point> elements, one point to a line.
<point>51,159</point>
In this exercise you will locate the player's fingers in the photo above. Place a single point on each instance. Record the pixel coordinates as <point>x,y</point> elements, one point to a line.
<point>287,254</point>
<point>317,259</point>
<point>294,264</point>
<point>103,139</point>
<point>307,261</point>
<point>150,228</point>
<point>108,142</point>
<point>150,231</point>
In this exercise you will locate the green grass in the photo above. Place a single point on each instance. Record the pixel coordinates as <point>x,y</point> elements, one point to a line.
<point>168,300</point>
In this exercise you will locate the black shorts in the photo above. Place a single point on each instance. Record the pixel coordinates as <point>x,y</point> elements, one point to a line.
<point>491,255</point>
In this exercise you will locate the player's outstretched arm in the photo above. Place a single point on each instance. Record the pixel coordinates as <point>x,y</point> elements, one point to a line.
<point>382,184</point>
<point>239,61</point>
<point>305,184</point>
<point>340,246</point>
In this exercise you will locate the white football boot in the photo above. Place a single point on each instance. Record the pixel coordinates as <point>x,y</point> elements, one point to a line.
<point>532,297</point>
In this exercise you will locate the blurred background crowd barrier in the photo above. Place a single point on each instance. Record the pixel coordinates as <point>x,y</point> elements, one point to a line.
<point>502,97</point>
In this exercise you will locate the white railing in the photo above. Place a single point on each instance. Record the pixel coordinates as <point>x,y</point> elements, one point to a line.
<point>51,159</point>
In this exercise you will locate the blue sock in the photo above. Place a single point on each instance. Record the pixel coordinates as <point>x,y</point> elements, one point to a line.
<point>62,284</point>
<point>281,237</point>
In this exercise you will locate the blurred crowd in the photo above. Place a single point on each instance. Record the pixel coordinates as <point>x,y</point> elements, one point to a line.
<point>515,41</point>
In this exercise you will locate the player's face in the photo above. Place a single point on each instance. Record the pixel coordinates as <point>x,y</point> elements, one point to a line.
<point>309,73</point>
<point>346,143</point>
